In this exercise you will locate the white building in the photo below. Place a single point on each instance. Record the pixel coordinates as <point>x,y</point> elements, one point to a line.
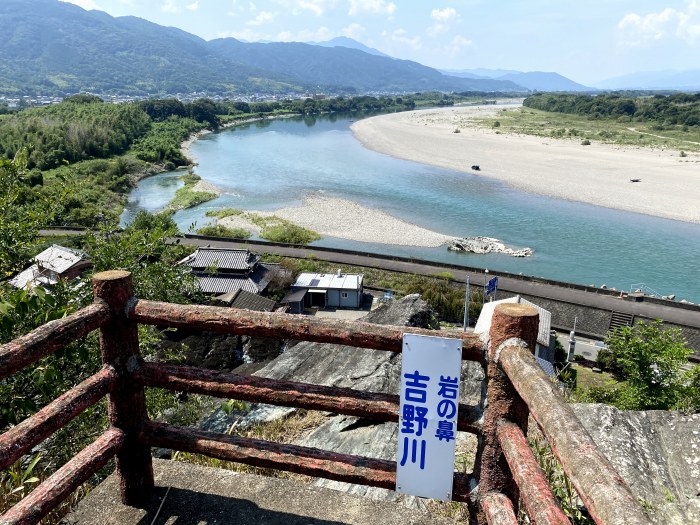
<point>323,290</point>
<point>544,349</point>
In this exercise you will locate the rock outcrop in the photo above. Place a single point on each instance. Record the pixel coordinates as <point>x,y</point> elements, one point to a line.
<point>486,245</point>
<point>656,452</point>
<point>362,369</point>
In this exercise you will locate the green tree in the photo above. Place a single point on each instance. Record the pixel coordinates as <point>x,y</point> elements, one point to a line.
<point>20,216</point>
<point>650,360</point>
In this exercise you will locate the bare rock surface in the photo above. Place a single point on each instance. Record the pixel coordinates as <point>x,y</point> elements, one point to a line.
<point>656,452</point>
<point>486,245</point>
<point>361,369</point>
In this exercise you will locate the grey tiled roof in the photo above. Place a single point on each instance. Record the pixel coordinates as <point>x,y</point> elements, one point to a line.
<point>222,285</point>
<point>221,259</point>
<point>250,301</point>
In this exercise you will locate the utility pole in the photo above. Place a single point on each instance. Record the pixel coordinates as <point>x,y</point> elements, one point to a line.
<point>466,308</point>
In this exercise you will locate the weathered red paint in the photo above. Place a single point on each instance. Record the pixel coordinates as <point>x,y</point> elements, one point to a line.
<point>65,480</point>
<point>48,338</point>
<point>379,406</point>
<point>498,509</point>
<point>535,492</point>
<point>603,491</point>
<point>605,495</point>
<point>32,431</point>
<point>491,469</point>
<point>288,326</point>
<point>126,403</point>
<point>292,458</point>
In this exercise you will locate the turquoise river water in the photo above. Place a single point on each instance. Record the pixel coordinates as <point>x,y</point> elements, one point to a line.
<point>273,164</point>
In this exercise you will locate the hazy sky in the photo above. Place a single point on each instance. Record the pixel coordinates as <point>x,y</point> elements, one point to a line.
<point>586,41</point>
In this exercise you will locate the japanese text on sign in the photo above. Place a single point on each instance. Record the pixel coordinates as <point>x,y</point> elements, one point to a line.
<point>428,425</point>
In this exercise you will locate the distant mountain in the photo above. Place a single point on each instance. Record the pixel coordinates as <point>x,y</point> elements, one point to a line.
<point>343,41</point>
<point>51,47</point>
<point>349,69</point>
<point>534,80</point>
<point>541,81</point>
<point>478,72</point>
<point>688,80</point>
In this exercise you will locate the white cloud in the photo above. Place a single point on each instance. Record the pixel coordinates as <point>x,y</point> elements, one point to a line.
<point>400,36</point>
<point>263,17</point>
<point>193,6</point>
<point>684,24</point>
<point>377,7</point>
<point>443,18</point>
<point>317,7</point>
<point>457,44</point>
<point>85,4</point>
<point>169,6</point>
<point>353,31</point>
<point>443,15</point>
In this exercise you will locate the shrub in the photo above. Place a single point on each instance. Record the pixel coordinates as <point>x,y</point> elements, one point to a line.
<point>217,230</point>
<point>289,233</point>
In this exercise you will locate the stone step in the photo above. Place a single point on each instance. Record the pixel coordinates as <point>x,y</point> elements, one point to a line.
<point>192,494</point>
<point>619,319</point>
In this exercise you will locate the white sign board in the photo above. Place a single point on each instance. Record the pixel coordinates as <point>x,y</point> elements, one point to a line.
<point>430,373</point>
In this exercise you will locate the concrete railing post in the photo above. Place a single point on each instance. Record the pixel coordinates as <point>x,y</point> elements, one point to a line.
<point>515,324</point>
<point>119,347</point>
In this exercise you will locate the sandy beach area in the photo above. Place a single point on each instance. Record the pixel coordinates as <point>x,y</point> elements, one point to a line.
<point>595,174</point>
<point>333,217</point>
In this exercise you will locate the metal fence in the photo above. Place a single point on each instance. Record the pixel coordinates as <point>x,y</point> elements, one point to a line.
<point>505,474</point>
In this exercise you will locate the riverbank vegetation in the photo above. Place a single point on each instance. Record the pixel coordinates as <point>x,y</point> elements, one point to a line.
<point>270,227</point>
<point>188,196</point>
<point>666,122</point>
<point>97,152</point>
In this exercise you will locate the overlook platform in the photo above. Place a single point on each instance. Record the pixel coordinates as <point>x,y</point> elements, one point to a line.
<point>207,496</point>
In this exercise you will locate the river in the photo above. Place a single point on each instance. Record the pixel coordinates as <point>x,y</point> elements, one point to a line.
<point>274,163</point>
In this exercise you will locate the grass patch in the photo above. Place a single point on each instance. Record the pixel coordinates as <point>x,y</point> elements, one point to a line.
<point>289,233</point>
<point>284,430</point>
<point>217,230</point>
<point>226,212</point>
<point>528,121</point>
<point>185,197</point>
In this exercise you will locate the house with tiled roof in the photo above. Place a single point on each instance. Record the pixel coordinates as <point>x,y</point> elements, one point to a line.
<point>222,271</point>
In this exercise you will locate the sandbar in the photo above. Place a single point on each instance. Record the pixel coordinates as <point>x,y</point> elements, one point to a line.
<point>344,219</point>
<point>597,174</point>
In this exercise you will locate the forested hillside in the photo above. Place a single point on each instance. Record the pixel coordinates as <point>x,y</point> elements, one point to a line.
<point>56,48</point>
<point>96,151</point>
<point>677,109</point>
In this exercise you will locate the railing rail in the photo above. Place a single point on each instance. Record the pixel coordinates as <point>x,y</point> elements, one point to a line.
<point>505,470</point>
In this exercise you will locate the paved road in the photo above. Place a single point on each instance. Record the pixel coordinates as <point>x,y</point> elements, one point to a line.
<point>671,314</point>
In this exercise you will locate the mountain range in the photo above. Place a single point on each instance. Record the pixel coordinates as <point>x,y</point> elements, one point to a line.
<point>57,48</point>
<point>532,80</point>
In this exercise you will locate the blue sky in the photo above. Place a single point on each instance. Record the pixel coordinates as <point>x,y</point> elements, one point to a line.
<point>585,41</point>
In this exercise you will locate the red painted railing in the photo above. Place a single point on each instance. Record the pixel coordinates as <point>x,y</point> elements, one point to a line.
<point>505,473</point>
